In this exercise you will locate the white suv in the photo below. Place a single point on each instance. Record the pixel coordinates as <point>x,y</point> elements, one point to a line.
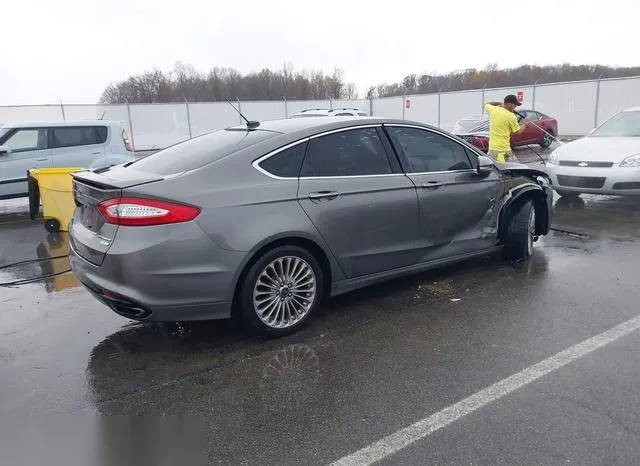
<point>84,144</point>
<point>317,112</point>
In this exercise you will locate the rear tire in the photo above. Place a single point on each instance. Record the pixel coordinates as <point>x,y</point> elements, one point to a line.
<point>520,235</point>
<point>281,291</point>
<point>547,140</point>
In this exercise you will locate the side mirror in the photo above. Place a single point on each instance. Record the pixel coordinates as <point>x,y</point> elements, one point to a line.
<point>4,150</point>
<point>485,165</point>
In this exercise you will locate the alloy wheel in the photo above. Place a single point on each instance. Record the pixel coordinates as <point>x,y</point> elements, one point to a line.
<point>284,292</point>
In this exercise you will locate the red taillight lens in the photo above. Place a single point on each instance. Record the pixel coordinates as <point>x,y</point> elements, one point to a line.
<point>127,143</point>
<point>481,143</point>
<point>139,212</point>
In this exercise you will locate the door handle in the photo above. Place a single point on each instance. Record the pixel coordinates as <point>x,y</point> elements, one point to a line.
<point>432,185</point>
<point>42,160</point>
<point>96,153</point>
<point>323,196</point>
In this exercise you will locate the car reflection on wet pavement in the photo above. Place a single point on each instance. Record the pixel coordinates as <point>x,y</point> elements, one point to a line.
<point>373,362</point>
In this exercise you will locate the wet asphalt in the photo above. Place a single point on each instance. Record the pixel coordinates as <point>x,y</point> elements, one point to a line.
<point>373,362</point>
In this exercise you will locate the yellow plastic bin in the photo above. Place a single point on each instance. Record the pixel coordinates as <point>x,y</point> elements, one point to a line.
<point>53,188</point>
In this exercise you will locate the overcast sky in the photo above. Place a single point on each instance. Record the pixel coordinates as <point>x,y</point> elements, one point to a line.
<point>72,49</point>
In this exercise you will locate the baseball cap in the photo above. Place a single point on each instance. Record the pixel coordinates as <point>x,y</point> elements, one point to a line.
<point>512,99</point>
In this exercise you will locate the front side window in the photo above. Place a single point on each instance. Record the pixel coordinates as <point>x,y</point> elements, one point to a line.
<point>533,116</point>
<point>78,136</point>
<point>26,140</point>
<point>354,152</point>
<point>426,151</point>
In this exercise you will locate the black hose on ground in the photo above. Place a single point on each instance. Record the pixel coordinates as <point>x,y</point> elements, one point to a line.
<point>33,279</point>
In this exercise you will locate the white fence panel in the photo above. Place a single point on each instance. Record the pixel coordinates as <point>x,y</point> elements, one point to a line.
<point>423,108</point>
<point>572,104</point>
<point>616,95</point>
<point>99,112</point>
<point>457,105</point>
<point>296,106</point>
<point>263,111</point>
<point>156,126</point>
<point>30,114</point>
<point>208,117</point>
<point>389,107</point>
<point>360,104</point>
<point>498,95</point>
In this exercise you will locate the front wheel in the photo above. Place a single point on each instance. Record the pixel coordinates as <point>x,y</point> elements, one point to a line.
<point>281,291</point>
<point>521,233</point>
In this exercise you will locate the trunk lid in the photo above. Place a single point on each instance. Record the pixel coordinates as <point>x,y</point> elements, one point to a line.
<point>90,234</point>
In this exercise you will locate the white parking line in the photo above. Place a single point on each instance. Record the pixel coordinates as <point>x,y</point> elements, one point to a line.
<point>425,427</point>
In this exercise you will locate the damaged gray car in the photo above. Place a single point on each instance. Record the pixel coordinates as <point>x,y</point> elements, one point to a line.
<point>264,220</point>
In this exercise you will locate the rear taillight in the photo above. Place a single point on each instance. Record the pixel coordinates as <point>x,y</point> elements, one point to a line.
<point>140,212</point>
<point>480,142</point>
<point>127,143</point>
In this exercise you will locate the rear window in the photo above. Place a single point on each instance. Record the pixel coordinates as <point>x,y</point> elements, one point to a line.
<point>78,136</point>
<point>200,151</point>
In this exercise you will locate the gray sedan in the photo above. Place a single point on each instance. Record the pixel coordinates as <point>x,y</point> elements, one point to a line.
<point>266,220</point>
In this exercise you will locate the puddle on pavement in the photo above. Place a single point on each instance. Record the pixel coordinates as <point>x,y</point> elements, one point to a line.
<point>49,266</point>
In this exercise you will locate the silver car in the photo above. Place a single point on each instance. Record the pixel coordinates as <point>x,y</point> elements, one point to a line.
<point>266,221</point>
<point>607,161</point>
<point>83,144</point>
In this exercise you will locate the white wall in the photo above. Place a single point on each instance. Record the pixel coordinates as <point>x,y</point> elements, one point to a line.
<point>616,95</point>
<point>573,105</point>
<point>161,125</point>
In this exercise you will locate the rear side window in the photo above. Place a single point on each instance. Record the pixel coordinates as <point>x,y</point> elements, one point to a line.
<point>286,163</point>
<point>347,153</point>
<point>200,151</point>
<point>78,136</point>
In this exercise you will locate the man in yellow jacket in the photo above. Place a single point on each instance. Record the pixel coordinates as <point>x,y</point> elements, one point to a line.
<point>503,123</point>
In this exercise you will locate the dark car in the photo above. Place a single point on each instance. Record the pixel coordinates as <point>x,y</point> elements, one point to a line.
<point>266,221</point>
<point>475,130</point>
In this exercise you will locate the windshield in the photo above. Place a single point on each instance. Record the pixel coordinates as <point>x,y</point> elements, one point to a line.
<point>3,131</point>
<point>625,124</point>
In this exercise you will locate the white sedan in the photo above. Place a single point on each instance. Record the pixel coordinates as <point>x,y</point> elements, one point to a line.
<point>607,161</point>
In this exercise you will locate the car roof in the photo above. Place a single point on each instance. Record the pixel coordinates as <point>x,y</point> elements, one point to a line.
<point>318,125</point>
<point>632,109</point>
<point>39,124</point>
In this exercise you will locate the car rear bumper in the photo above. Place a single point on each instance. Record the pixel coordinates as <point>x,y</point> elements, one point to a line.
<point>168,274</point>
<point>615,181</point>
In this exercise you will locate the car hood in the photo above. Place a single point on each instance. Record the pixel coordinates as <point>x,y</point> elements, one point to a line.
<point>594,149</point>
<point>520,169</point>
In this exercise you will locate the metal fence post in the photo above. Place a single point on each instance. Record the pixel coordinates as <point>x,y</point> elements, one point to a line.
<point>188,118</point>
<point>404,100</point>
<point>533,104</point>
<point>439,93</point>
<point>133,143</point>
<point>64,118</point>
<point>370,105</point>
<point>239,111</point>
<point>483,89</point>
<point>595,117</point>
<point>286,110</point>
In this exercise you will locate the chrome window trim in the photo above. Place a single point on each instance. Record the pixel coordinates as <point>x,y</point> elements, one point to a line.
<point>256,163</point>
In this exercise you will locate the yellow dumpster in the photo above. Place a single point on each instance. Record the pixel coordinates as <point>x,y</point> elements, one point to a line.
<point>53,188</point>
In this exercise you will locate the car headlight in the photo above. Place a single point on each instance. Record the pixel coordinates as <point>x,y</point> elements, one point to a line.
<point>633,161</point>
<point>553,158</point>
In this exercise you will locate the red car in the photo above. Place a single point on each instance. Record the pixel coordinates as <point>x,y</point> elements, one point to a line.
<point>541,131</point>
